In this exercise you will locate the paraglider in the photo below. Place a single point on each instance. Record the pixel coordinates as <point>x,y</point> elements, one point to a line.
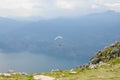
<point>59,40</point>
<point>58,37</point>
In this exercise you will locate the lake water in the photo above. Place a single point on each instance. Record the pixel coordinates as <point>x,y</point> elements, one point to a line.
<point>32,63</point>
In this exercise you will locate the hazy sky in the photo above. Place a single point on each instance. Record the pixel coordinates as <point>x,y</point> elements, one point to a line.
<point>55,8</point>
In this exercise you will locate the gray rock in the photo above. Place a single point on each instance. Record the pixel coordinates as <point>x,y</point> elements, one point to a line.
<point>92,66</point>
<point>115,52</point>
<point>82,67</point>
<point>95,61</point>
<point>108,57</point>
<point>99,54</point>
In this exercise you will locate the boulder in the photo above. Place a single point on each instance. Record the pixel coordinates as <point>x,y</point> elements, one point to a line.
<point>115,52</point>
<point>95,61</point>
<point>92,66</point>
<point>72,71</point>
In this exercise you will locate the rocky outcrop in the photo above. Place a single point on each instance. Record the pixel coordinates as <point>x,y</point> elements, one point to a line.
<point>115,52</point>
<point>95,61</point>
<point>102,56</point>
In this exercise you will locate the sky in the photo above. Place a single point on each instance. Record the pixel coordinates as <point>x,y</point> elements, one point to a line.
<point>48,9</point>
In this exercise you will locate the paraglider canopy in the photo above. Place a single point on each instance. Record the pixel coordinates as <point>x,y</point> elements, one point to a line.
<point>59,40</point>
<point>58,37</point>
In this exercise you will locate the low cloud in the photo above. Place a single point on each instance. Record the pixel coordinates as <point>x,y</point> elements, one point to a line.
<point>55,8</point>
<point>113,6</point>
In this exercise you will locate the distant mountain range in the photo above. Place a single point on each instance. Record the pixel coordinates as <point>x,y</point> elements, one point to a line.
<point>82,36</point>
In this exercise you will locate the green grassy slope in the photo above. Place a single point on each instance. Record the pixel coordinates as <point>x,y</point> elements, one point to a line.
<point>16,77</point>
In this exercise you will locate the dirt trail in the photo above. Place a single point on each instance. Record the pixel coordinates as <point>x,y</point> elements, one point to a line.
<point>42,77</point>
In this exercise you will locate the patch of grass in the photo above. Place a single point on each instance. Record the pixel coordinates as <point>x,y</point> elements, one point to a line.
<point>16,77</point>
<point>114,61</point>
